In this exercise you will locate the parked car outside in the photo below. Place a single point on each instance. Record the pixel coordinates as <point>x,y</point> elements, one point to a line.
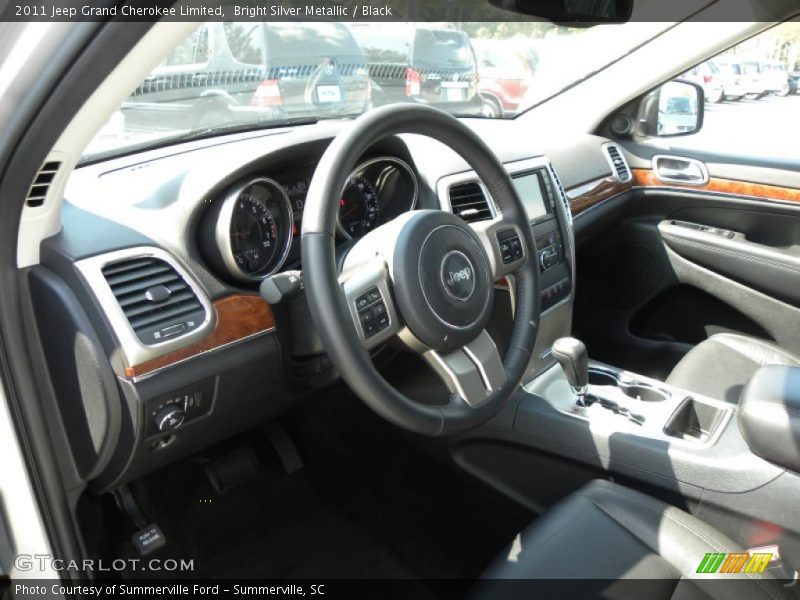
<point>794,82</point>
<point>504,76</point>
<point>430,65</point>
<point>677,109</point>
<point>753,79</point>
<point>732,77</point>
<point>240,69</point>
<point>775,77</point>
<point>707,76</point>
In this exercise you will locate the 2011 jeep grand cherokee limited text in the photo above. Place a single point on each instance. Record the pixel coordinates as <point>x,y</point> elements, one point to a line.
<point>298,308</point>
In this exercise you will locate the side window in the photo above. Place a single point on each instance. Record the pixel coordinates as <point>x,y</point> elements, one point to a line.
<point>194,50</point>
<point>750,93</point>
<point>245,41</point>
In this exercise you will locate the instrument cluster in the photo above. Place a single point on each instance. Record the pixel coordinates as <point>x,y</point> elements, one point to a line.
<point>252,230</point>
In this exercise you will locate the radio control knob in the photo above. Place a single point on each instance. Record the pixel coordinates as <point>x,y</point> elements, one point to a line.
<point>170,417</point>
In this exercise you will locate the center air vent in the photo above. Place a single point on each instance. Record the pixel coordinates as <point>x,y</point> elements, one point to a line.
<point>618,162</point>
<point>158,303</point>
<point>468,201</point>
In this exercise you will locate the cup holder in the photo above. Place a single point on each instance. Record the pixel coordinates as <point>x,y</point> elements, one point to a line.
<point>645,393</point>
<point>597,377</point>
<point>638,390</point>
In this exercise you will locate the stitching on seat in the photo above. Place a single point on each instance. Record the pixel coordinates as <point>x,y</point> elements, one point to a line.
<point>644,499</point>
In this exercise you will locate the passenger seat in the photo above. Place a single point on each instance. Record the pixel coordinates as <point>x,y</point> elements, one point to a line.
<point>720,366</point>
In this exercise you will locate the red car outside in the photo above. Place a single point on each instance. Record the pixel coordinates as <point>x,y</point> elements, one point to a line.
<point>504,76</point>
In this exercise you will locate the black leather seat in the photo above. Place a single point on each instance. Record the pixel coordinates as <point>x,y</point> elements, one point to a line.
<point>608,533</point>
<point>720,366</point>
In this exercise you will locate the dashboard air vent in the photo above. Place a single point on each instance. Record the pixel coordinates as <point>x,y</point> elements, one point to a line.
<point>41,184</point>
<point>468,201</point>
<point>561,195</point>
<point>158,303</point>
<point>618,162</point>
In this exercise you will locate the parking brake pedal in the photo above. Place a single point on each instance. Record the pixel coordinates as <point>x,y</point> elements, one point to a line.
<point>149,536</point>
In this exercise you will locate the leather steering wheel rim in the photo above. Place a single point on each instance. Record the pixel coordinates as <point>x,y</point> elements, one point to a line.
<point>326,299</point>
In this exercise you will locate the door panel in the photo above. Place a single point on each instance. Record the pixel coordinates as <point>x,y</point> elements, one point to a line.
<point>648,290</point>
<point>774,271</point>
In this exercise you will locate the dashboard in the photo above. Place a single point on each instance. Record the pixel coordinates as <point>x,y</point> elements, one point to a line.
<point>163,252</point>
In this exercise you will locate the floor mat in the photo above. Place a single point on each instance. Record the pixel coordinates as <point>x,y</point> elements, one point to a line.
<point>274,526</point>
<point>371,502</point>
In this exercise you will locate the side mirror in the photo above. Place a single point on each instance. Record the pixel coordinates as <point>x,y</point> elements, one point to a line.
<point>675,108</point>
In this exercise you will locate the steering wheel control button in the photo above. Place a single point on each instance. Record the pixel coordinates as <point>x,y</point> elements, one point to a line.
<point>510,246</point>
<point>371,312</point>
<point>458,276</point>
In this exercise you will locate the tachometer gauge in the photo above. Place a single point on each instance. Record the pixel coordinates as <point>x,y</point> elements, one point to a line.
<point>378,190</point>
<point>359,209</point>
<point>251,230</point>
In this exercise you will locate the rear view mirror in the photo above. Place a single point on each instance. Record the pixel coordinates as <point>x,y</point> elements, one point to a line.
<point>675,108</point>
<point>572,11</point>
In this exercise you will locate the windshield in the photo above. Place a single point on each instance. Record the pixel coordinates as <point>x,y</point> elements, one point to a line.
<point>232,76</point>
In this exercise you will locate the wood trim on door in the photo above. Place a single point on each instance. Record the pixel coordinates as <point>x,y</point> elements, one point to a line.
<point>646,178</point>
<point>239,317</point>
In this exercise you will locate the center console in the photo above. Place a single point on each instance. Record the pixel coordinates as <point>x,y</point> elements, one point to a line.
<point>540,191</point>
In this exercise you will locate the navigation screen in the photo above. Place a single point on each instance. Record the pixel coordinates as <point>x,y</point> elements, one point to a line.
<point>529,189</point>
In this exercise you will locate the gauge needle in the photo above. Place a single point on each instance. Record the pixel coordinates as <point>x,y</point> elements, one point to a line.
<point>351,208</point>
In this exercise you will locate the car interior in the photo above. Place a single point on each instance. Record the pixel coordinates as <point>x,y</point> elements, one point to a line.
<point>409,344</point>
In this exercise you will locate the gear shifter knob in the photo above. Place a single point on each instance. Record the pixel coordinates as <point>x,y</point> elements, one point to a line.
<point>571,354</point>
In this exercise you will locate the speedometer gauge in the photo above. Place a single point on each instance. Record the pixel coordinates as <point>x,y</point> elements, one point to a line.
<point>251,230</point>
<point>359,209</point>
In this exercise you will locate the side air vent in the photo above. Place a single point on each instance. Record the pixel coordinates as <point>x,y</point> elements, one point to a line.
<point>468,201</point>
<point>41,184</point>
<point>158,303</point>
<point>618,162</point>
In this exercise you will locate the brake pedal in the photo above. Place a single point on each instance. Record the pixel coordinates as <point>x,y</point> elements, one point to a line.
<point>284,447</point>
<point>232,470</point>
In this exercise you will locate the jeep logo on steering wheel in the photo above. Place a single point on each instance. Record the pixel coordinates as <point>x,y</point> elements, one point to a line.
<point>458,276</point>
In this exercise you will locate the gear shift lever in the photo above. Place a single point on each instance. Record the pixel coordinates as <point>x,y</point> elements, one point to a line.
<point>571,354</point>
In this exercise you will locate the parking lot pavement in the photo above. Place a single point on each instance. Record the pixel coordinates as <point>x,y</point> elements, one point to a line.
<point>767,127</point>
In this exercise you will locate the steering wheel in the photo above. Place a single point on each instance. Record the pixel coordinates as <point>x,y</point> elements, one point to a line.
<point>425,277</point>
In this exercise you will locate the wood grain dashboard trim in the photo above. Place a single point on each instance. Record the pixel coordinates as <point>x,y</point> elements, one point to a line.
<point>646,178</point>
<point>239,316</point>
<point>584,196</point>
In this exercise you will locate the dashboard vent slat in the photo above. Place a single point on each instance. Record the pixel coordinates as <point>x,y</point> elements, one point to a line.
<point>468,201</point>
<point>561,195</point>
<point>173,309</point>
<point>618,162</point>
<point>41,184</point>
